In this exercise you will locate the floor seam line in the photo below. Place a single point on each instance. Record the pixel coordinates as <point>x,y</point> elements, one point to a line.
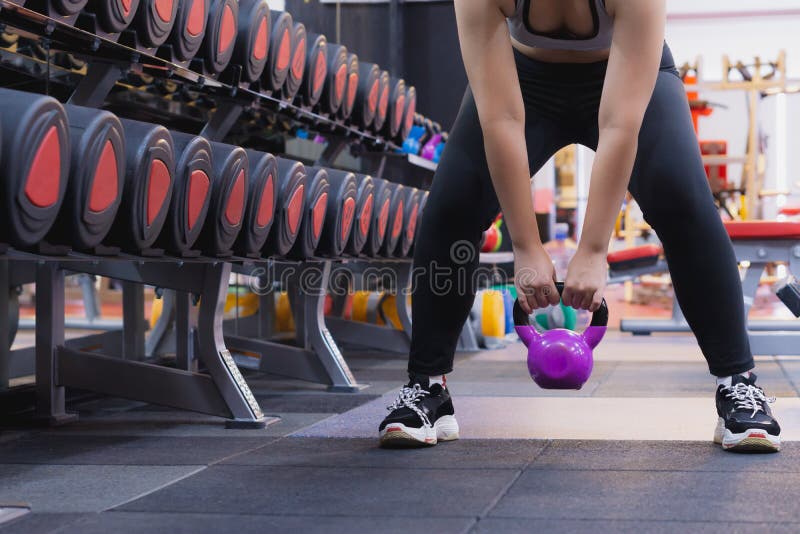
<point>199,469</point>
<point>503,492</point>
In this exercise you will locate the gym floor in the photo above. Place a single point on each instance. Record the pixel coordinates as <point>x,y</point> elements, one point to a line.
<point>630,452</point>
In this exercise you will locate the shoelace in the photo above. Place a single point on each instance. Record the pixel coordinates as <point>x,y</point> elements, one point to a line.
<point>408,398</point>
<point>749,397</point>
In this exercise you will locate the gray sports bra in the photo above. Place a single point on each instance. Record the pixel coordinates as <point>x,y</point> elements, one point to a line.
<point>521,31</point>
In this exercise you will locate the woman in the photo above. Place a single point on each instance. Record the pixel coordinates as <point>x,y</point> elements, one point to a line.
<point>544,74</point>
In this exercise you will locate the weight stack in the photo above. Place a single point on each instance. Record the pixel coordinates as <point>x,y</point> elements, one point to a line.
<point>408,113</point>
<point>340,212</point>
<point>34,165</point>
<point>289,205</point>
<point>316,70</point>
<point>298,64</point>
<point>64,11</point>
<point>313,221</point>
<point>149,180</point>
<point>228,194</point>
<point>365,202</point>
<point>191,195</point>
<point>423,200</point>
<point>369,88</point>
<point>260,209</point>
<point>382,206</point>
<point>394,226</point>
<point>349,101</point>
<point>108,18</point>
<point>96,179</point>
<point>220,37</point>
<point>336,81</point>
<point>152,24</point>
<point>280,51</point>
<point>382,111</point>
<point>188,32</point>
<point>252,39</point>
<point>411,202</point>
<point>396,108</point>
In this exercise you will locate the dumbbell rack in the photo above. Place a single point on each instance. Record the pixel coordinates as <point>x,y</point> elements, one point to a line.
<point>115,362</point>
<point>109,61</point>
<point>94,363</point>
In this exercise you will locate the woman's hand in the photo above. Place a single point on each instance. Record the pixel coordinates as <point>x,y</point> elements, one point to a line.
<point>534,276</point>
<point>586,280</point>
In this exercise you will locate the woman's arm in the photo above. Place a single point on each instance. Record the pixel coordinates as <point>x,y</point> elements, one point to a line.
<point>492,73</point>
<point>633,67</point>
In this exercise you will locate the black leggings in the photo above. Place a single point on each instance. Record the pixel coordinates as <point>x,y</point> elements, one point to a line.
<point>668,182</point>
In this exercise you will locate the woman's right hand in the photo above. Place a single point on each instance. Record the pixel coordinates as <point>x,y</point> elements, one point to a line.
<point>534,276</point>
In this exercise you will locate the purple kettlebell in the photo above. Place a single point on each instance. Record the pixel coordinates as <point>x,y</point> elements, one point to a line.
<point>560,358</point>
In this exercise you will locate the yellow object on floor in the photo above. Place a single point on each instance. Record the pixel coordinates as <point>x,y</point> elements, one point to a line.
<point>376,308</point>
<point>155,311</point>
<point>247,305</point>
<point>284,322</point>
<point>493,315</point>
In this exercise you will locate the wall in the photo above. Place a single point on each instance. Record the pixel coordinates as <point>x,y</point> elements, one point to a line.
<point>743,29</point>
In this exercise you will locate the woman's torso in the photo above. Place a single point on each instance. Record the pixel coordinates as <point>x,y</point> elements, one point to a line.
<point>558,31</point>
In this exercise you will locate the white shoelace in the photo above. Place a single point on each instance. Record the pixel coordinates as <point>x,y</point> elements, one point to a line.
<point>748,397</point>
<point>408,398</point>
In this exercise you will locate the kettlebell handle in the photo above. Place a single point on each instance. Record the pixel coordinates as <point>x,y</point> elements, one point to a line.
<point>599,318</point>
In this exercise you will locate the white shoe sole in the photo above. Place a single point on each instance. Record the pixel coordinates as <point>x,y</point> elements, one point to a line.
<point>751,440</point>
<point>399,435</point>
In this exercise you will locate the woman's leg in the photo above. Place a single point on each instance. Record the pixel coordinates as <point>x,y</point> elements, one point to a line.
<point>671,187</point>
<point>461,205</point>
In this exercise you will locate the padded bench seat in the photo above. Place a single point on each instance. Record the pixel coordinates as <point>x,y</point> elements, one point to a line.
<point>631,258</point>
<point>776,230</point>
<point>790,210</point>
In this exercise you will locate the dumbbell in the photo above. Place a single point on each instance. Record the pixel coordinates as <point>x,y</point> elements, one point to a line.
<point>313,220</point>
<point>108,18</point>
<point>290,186</point>
<point>152,24</point>
<point>423,201</point>
<point>149,181</point>
<point>34,165</point>
<point>64,11</point>
<point>408,113</point>
<point>316,70</point>
<point>96,179</point>
<point>394,227</point>
<point>229,181</point>
<point>396,108</point>
<point>280,51</point>
<point>340,212</point>
<point>191,195</point>
<point>367,93</point>
<point>349,101</point>
<point>188,31</point>
<point>219,40</point>
<point>252,39</point>
<point>336,80</point>
<point>382,109</point>
<point>260,210</point>
<point>382,205</point>
<point>365,205</point>
<point>411,201</point>
<point>297,68</point>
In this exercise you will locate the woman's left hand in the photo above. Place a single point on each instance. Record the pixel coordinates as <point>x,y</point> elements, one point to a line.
<point>586,280</point>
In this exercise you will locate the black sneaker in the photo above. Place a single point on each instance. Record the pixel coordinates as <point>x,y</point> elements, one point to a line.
<point>421,415</point>
<point>745,419</point>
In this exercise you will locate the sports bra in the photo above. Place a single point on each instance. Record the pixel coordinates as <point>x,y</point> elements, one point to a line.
<point>521,30</point>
